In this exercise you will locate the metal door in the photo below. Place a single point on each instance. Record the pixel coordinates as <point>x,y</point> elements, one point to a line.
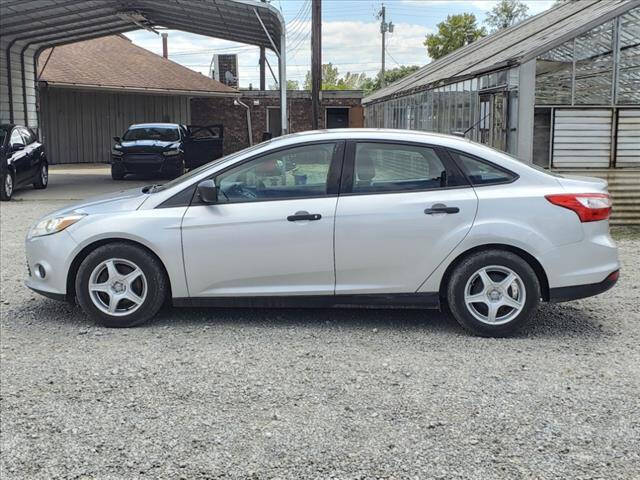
<point>582,138</point>
<point>628,139</point>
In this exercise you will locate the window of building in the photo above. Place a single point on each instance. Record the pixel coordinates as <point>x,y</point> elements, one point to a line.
<point>629,58</point>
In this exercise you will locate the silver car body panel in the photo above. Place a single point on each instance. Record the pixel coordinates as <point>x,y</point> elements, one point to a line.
<point>250,249</point>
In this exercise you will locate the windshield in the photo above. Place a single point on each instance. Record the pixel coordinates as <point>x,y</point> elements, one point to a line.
<point>195,172</point>
<point>163,134</point>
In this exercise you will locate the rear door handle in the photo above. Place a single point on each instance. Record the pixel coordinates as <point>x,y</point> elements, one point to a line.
<point>298,216</point>
<point>441,208</point>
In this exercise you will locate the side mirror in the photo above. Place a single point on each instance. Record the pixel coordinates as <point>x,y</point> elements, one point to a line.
<point>17,146</point>
<point>117,139</point>
<point>208,192</point>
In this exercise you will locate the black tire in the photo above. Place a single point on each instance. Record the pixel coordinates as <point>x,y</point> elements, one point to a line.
<point>42,178</point>
<point>466,272</point>
<point>178,170</point>
<point>157,284</point>
<point>117,172</point>
<point>7,188</point>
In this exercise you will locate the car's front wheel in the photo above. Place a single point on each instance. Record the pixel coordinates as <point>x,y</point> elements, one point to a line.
<point>117,172</point>
<point>493,293</point>
<point>121,285</point>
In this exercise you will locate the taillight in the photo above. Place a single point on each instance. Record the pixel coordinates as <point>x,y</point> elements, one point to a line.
<point>590,207</point>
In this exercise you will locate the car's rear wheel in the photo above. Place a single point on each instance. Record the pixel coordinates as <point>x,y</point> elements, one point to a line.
<point>121,285</point>
<point>42,180</point>
<point>493,293</point>
<point>117,172</point>
<point>8,183</point>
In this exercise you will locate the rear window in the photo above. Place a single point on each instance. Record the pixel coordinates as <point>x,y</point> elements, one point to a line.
<point>162,134</point>
<point>482,173</point>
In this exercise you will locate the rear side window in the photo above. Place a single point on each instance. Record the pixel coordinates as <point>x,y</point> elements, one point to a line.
<point>482,173</point>
<point>382,167</point>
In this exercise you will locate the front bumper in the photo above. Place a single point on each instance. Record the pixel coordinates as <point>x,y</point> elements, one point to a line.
<point>147,163</point>
<point>565,294</point>
<point>53,253</point>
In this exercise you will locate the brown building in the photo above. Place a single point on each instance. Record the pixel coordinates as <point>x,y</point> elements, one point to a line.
<point>340,109</point>
<point>92,91</point>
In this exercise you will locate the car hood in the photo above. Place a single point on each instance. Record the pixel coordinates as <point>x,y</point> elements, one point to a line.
<point>125,201</point>
<point>146,146</point>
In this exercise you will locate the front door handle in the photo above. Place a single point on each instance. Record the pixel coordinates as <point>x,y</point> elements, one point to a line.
<point>302,215</point>
<point>441,208</point>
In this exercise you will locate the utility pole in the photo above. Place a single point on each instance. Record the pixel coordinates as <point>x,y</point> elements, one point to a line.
<point>316,60</point>
<point>384,28</point>
<point>262,62</point>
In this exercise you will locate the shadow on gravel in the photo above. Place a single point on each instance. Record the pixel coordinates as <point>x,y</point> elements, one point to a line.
<point>552,320</point>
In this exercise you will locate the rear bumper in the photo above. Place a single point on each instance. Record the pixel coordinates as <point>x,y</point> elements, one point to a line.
<point>565,294</point>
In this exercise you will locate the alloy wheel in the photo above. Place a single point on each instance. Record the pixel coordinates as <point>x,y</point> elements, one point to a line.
<point>117,287</point>
<point>495,295</point>
<point>44,174</point>
<point>8,185</point>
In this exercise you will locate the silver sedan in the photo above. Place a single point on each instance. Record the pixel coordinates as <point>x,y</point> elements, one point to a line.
<point>336,218</point>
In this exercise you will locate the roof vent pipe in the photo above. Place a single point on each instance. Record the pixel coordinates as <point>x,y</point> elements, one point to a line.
<point>165,45</point>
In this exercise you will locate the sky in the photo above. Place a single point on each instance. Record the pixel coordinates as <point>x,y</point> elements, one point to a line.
<point>351,37</point>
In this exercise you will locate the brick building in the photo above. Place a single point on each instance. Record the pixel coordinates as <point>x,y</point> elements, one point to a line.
<point>340,109</point>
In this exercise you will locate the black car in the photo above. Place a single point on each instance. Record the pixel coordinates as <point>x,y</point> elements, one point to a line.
<point>166,149</point>
<point>22,160</point>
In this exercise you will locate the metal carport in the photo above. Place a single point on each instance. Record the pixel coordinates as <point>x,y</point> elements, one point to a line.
<point>29,26</point>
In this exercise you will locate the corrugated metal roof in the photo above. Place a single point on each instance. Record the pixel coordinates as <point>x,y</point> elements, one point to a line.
<point>519,43</point>
<point>46,23</point>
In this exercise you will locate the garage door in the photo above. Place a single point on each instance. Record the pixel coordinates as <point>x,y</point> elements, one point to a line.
<point>628,146</point>
<point>582,138</point>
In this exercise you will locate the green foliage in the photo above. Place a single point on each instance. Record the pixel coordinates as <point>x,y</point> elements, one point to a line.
<point>293,85</point>
<point>455,32</point>
<point>505,14</point>
<point>390,76</point>
<point>331,79</point>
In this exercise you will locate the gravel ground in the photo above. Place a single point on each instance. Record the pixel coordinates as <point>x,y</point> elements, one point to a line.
<point>294,394</point>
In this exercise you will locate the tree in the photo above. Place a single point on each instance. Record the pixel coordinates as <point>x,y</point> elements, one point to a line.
<point>372,84</point>
<point>505,14</point>
<point>455,32</point>
<point>291,85</point>
<point>331,79</point>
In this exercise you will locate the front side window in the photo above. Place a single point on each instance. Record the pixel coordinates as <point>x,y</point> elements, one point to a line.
<point>481,173</point>
<point>162,134</point>
<point>381,167</point>
<point>27,136</point>
<point>16,138</point>
<point>293,173</point>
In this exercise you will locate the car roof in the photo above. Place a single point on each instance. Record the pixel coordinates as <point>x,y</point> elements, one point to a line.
<point>154,125</point>
<point>453,142</point>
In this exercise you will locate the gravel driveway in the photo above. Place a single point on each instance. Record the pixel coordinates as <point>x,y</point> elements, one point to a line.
<point>293,394</point>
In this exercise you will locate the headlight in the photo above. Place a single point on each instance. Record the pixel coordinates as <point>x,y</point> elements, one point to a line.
<point>53,225</point>
<point>170,153</point>
<point>116,151</point>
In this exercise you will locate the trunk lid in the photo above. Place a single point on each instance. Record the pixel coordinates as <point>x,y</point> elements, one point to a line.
<point>578,184</point>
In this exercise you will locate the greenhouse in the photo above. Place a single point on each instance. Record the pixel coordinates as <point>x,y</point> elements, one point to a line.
<point>561,89</point>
